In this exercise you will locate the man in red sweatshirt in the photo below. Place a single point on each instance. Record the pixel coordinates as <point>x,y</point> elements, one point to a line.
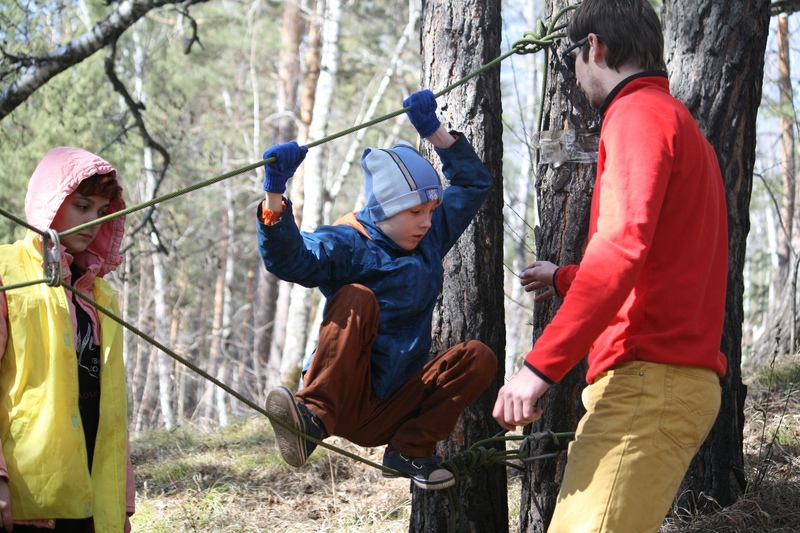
<point>646,301</point>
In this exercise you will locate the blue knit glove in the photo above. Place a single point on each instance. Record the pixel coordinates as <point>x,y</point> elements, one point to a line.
<point>422,112</point>
<point>276,174</point>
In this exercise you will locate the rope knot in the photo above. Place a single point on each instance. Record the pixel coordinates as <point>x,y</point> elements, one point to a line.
<point>536,40</point>
<point>461,464</point>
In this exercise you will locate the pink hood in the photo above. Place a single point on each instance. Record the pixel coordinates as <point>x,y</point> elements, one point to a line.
<point>57,176</point>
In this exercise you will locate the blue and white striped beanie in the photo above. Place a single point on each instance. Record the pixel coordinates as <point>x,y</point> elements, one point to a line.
<point>398,179</point>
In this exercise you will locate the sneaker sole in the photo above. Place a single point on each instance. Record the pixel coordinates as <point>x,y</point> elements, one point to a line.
<point>282,405</point>
<point>445,484</point>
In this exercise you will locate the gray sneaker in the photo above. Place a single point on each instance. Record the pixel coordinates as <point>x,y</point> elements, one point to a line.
<point>426,472</point>
<point>295,449</point>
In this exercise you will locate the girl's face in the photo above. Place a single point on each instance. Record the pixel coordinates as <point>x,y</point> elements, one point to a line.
<point>408,227</point>
<point>76,210</point>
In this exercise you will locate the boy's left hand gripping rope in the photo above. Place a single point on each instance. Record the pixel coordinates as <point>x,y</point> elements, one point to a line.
<point>51,257</point>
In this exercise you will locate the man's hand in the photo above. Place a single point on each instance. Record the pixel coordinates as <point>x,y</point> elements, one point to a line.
<point>5,507</point>
<point>516,400</point>
<point>539,275</point>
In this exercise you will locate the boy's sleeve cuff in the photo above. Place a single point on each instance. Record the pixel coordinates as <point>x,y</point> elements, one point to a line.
<point>268,217</point>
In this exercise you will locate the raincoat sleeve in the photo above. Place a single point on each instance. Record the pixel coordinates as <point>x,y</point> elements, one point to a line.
<point>3,341</point>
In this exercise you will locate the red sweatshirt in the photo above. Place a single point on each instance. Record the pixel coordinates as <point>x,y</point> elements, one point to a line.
<point>651,285</point>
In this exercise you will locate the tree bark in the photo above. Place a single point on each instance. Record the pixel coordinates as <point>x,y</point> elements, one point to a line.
<point>564,194</point>
<point>715,55</point>
<point>301,300</point>
<point>297,194</point>
<point>522,215</point>
<point>786,126</point>
<point>473,286</point>
<point>266,291</point>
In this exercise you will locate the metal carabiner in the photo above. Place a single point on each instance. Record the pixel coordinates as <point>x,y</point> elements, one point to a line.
<point>51,257</point>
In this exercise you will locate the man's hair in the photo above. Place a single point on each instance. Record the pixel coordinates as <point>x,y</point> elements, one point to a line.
<point>630,29</point>
<point>103,185</point>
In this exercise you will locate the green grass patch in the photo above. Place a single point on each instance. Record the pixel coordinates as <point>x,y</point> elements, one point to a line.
<point>781,376</point>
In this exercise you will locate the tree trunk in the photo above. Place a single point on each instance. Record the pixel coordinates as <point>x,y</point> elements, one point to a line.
<point>522,214</point>
<point>786,118</point>
<point>473,282</point>
<point>715,54</point>
<point>215,345</point>
<point>159,269</point>
<point>301,300</point>
<point>138,383</point>
<point>564,194</point>
<point>227,352</point>
<point>358,137</point>
<point>269,331</point>
<point>297,194</point>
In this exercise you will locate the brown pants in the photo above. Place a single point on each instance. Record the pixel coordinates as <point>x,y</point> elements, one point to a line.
<point>338,387</point>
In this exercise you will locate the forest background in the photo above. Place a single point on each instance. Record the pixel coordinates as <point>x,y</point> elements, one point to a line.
<point>212,91</point>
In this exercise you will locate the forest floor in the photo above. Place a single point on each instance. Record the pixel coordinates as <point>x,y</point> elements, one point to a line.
<point>234,480</point>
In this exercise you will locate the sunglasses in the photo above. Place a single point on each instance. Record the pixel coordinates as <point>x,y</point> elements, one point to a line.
<point>566,55</point>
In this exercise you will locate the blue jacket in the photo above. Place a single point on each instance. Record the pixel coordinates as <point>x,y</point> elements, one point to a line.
<point>406,284</point>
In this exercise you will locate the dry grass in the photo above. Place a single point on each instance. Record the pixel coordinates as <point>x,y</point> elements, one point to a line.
<point>234,481</point>
<point>771,447</point>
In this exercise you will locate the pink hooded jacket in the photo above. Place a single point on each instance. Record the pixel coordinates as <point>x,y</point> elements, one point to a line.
<point>57,176</point>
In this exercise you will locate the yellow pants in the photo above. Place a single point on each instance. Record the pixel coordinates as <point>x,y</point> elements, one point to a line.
<point>644,423</point>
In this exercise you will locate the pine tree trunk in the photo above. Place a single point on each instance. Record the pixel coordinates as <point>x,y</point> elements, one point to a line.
<point>473,286</point>
<point>563,193</point>
<point>715,55</point>
<point>786,126</point>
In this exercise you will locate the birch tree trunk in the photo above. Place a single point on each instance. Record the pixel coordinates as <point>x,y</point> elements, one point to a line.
<point>297,194</point>
<point>521,215</point>
<point>301,300</point>
<point>159,270</point>
<point>473,279</point>
<point>715,55</point>
<point>141,362</point>
<point>268,330</point>
<point>388,77</point>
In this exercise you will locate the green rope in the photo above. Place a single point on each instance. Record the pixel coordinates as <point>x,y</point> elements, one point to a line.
<point>18,220</point>
<point>482,454</point>
<point>222,385</point>
<point>22,284</point>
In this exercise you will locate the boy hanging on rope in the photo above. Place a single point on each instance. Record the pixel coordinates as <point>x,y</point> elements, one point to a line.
<point>370,380</point>
<point>648,299</point>
<point>64,464</point>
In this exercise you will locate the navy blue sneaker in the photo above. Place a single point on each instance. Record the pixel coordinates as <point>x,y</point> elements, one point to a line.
<point>426,472</point>
<point>294,449</point>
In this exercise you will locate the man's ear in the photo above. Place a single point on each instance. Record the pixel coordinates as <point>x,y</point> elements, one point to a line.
<point>597,50</point>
